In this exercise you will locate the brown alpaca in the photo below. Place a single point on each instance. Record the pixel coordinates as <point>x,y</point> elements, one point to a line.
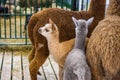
<point>103,49</point>
<point>62,19</point>
<point>58,50</point>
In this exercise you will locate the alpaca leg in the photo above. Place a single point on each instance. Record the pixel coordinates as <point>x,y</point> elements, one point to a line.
<point>31,55</point>
<point>95,64</point>
<point>112,68</point>
<point>117,76</point>
<point>97,70</point>
<point>60,73</point>
<point>35,64</point>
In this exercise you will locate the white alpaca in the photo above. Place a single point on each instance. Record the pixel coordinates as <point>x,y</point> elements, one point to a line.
<point>76,67</point>
<point>58,50</point>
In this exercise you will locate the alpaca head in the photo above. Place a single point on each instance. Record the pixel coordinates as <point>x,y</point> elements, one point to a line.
<point>82,25</point>
<point>49,29</point>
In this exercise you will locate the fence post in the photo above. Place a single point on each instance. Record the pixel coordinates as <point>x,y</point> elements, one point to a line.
<point>73,5</point>
<point>82,4</point>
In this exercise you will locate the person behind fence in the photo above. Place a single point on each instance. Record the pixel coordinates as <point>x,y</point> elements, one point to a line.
<point>3,9</point>
<point>9,3</point>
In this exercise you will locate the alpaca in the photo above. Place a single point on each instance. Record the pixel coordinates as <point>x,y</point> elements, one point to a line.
<point>51,32</point>
<point>103,49</point>
<point>76,67</point>
<point>61,17</point>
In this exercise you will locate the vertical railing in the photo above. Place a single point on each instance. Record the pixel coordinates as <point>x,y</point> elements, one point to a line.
<point>86,5</point>
<point>13,26</point>
<point>82,5</point>
<point>73,7</point>
<point>0,28</point>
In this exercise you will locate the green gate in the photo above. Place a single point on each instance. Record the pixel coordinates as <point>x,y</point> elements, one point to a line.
<point>14,15</point>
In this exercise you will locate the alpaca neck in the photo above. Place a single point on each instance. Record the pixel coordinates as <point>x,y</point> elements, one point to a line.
<point>80,40</point>
<point>114,8</point>
<point>59,50</point>
<point>54,46</point>
<point>53,39</point>
<point>97,7</point>
<point>54,43</point>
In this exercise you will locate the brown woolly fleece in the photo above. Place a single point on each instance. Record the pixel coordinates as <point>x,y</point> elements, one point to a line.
<point>63,19</point>
<point>103,49</point>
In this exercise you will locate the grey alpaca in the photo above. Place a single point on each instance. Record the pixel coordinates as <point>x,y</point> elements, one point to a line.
<point>76,67</point>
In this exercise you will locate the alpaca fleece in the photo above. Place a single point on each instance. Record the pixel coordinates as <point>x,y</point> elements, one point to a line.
<point>76,67</point>
<point>59,50</point>
<point>103,49</point>
<point>62,19</point>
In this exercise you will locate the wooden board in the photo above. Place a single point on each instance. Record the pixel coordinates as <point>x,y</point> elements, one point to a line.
<point>1,63</point>
<point>15,66</point>
<point>16,71</point>
<point>6,69</point>
<point>26,68</point>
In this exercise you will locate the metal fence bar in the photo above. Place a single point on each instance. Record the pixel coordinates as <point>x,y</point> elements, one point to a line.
<point>20,25</point>
<point>5,27</point>
<point>82,4</point>
<point>10,28</point>
<point>86,5</point>
<point>0,28</point>
<point>13,25</point>
<point>74,6</point>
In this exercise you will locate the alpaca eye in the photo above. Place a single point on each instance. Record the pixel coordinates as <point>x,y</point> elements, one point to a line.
<point>46,30</point>
<point>83,26</point>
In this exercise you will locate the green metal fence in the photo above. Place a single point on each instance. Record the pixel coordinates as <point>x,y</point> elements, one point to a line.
<point>14,13</point>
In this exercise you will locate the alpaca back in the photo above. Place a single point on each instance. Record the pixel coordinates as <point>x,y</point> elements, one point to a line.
<point>76,67</point>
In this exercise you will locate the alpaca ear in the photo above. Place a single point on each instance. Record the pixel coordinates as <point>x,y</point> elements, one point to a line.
<point>75,21</point>
<point>50,21</point>
<point>89,21</point>
<point>54,27</point>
